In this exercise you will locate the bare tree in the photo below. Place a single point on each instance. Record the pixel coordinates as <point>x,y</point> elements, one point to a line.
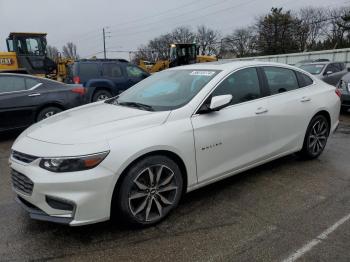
<point>207,40</point>
<point>52,52</point>
<point>242,42</point>
<point>182,34</point>
<point>312,22</point>
<point>70,51</point>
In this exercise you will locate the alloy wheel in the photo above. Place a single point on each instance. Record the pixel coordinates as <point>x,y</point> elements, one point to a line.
<point>153,193</point>
<point>318,137</point>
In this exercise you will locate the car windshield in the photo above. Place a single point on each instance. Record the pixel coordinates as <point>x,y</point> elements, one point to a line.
<point>165,90</point>
<point>314,69</point>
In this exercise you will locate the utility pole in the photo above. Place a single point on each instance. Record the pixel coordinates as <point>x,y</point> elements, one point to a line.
<point>104,43</point>
<point>104,33</point>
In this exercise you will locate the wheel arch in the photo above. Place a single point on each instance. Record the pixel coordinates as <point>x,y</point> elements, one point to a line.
<point>50,104</point>
<point>173,156</point>
<point>326,114</point>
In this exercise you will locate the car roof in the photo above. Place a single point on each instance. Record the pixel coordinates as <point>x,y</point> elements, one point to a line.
<point>229,65</point>
<point>101,61</point>
<point>30,76</point>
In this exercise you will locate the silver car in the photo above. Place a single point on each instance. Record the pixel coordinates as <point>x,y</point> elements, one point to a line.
<point>330,72</point>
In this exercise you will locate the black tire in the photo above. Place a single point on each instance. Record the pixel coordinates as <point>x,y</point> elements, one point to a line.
<point>47,112</point>
<point>128,201</point>
<point>100,95</point>
<point>315,138</point>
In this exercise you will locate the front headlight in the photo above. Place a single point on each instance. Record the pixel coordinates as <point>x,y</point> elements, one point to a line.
<point>71,164</point>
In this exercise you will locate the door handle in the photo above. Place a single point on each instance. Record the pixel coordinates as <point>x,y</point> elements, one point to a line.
<point>305,99</point>
<point>35,94</point>
<point>261,110</point>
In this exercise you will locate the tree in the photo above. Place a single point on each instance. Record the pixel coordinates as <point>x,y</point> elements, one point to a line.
<point>70,51</point>
<point>52,52</point>
<point>242,42</point>
<point>277,32</point>
<point>182,34</point>
<point>312,22</point>
<point>207,40</point>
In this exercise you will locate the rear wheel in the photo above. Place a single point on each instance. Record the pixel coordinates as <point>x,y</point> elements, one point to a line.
<point>149,191</point>
<point>101,95</point>
<point>47,112</point>
<point>316,137</point>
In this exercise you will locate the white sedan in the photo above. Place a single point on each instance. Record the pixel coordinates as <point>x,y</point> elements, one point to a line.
<point>135,155</point>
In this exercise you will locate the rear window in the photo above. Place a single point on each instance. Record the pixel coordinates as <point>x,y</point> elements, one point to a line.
<point>280,79</point>
<point>88,71</point>
<point>314,69</point>
<point>303,79</point>
<point>31,83</point>
<point>111,70</point>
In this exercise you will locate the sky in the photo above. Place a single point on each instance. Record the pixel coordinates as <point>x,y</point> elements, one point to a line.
<point>131,23</point>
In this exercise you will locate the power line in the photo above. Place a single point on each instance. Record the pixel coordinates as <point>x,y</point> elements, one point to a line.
<point>176,16</point>
<point>191,19</point>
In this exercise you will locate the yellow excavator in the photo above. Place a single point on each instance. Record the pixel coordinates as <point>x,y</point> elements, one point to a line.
<point>180,54</point>
<point>26,53</point>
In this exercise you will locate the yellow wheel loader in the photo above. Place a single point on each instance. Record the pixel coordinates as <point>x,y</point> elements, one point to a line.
<point>27,54</point>
<point>180,54</point>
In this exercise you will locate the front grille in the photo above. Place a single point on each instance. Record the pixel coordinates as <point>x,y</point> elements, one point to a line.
<point>23,157</point>
<point>21,182</point>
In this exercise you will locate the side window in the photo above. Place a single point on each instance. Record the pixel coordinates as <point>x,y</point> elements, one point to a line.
<point>331,68</point>
<point>111,70</point>
<point>242,85</point>
<point>11,84</point>
<point>31,83</point>
<point>133,71</point>
<point>280,79</point>
<point>303,79</point>
<point>88,71</point>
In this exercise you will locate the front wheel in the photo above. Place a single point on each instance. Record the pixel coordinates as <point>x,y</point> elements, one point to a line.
<point>316,137</point>
<point>150,190</point>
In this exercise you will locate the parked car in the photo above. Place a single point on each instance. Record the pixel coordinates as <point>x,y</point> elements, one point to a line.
<point>135,155</point>
<point>344,87</point>
<point>329,72</point>
<point>308,61</point>
<point>26,99</point>
<point>105,78</point>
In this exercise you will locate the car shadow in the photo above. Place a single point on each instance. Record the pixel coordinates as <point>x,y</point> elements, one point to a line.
<point>116,230</point>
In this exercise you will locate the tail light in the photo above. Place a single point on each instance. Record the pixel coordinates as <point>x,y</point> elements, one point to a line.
<point>338,92</point>
<point>79,90</point>
<point>76,80</point>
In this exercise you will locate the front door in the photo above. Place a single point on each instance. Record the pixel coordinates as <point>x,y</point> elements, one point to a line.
<point>234,137</point>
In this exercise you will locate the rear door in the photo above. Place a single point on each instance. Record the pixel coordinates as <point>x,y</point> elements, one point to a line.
<point>289,107</point>
<point>114,73</point>
<point>16,108</point>
<point>236,136</point>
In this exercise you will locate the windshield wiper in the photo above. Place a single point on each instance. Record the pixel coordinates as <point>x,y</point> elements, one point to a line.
<point>137,105</point>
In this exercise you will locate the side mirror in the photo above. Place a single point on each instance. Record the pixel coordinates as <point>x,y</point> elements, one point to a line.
<point>219,102</point>
<point>329,73</point>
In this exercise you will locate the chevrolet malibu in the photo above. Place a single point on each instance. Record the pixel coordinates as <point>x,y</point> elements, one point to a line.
<point>137,154</point>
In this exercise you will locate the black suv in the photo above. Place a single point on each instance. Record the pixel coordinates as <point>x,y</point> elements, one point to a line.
<point>104,78</point>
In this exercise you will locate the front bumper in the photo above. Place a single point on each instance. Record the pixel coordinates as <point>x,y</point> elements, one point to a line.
<point>89,193</point>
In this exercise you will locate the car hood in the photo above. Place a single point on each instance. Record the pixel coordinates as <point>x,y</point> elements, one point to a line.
<point>94,122</point>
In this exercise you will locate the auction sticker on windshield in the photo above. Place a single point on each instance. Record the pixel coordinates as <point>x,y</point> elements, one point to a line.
<point>202,73</point>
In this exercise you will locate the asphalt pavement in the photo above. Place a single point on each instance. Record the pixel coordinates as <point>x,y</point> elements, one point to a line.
<point>285,210</point>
